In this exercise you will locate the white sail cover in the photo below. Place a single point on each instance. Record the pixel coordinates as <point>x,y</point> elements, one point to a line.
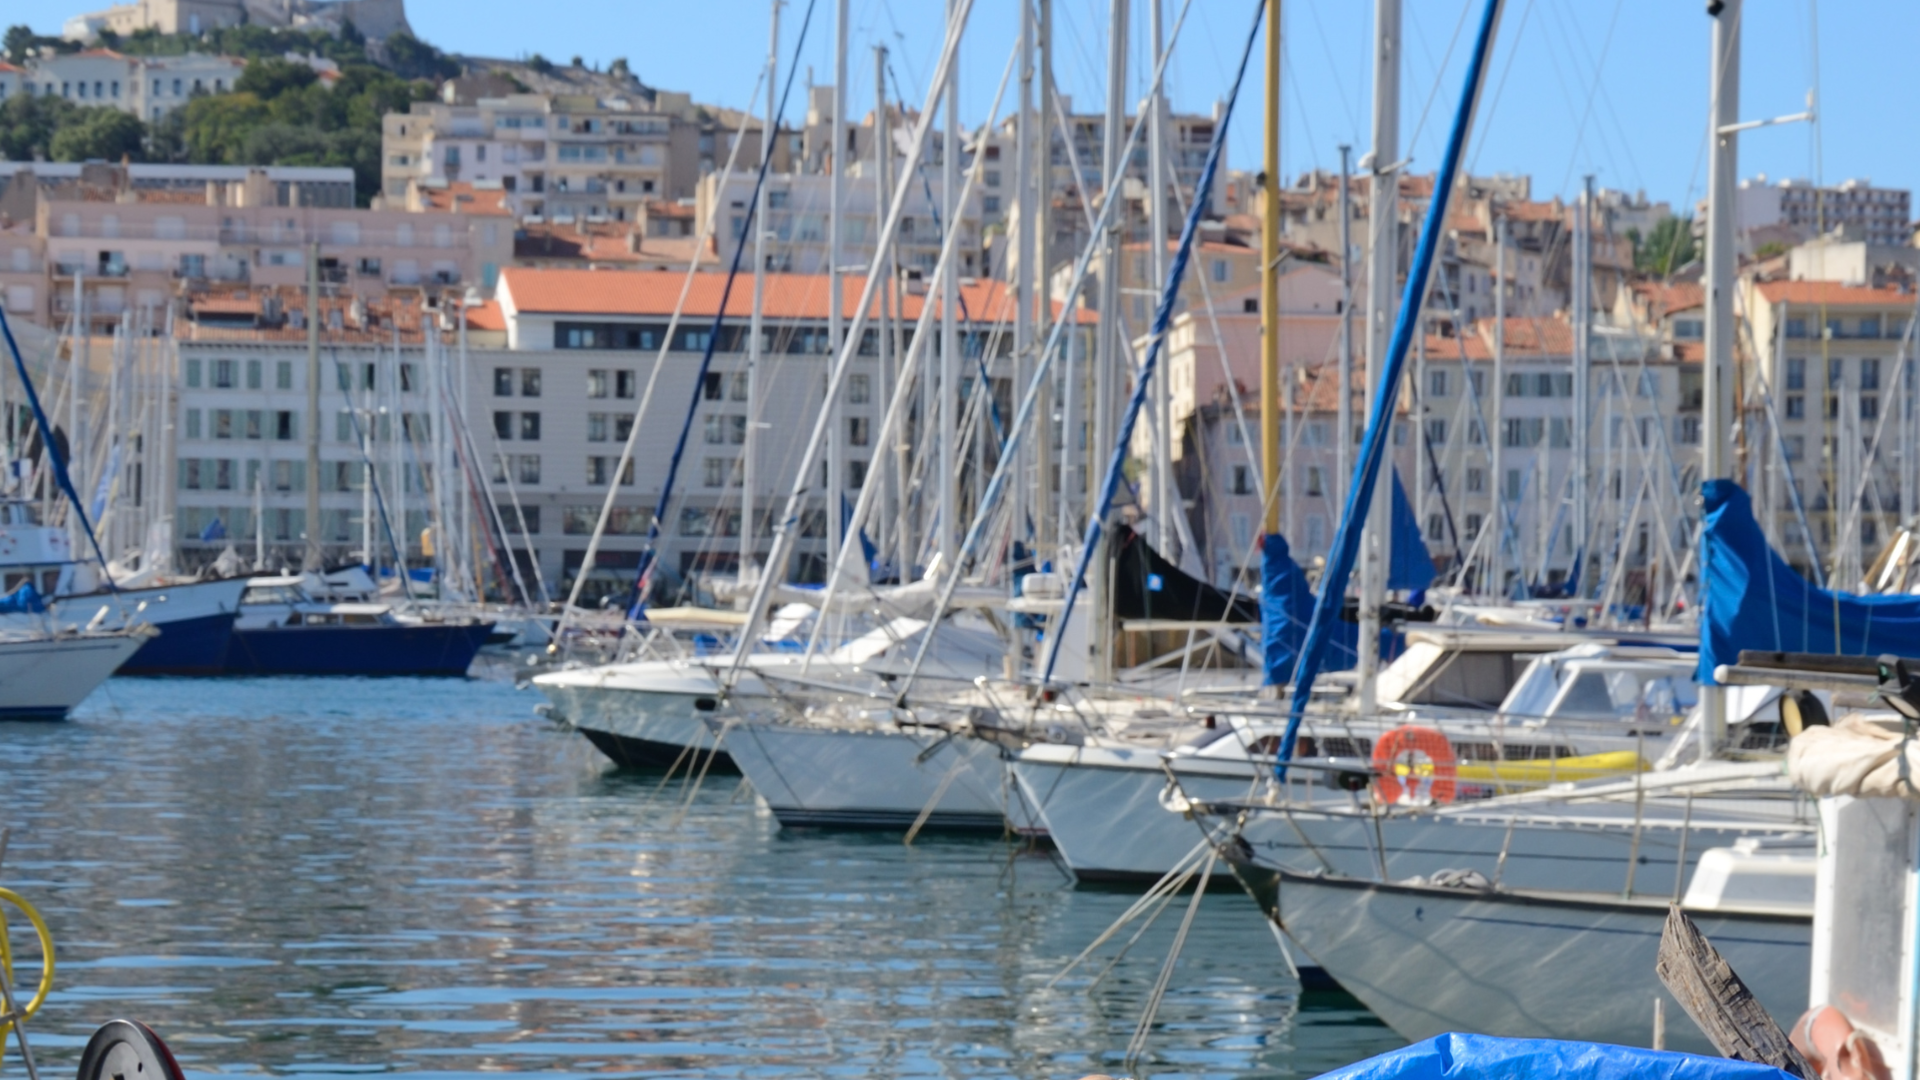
<point>1857,756</point>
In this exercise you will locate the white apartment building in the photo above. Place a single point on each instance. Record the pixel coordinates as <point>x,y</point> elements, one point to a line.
<point>146,86</point>
<point>796,219</point>
<point>1794,210</point>
<point>559,157</point>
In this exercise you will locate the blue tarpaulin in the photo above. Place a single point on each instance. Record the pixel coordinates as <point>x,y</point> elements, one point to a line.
<point>1751,598</point>
<point>25,600</point>
<point>1484,1057</point>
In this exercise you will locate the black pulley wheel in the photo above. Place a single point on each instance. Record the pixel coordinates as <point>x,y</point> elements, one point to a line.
<point>127,1050</point>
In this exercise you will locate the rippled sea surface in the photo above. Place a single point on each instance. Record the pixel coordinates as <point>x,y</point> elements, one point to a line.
<point>326,877</point>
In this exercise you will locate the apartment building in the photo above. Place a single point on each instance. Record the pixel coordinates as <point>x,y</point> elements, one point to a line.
<point>574,351</point>
<point>796,219</point>
<point>149,87</point>
<point>113,246</point>
<point>1828,423</point>
<point>239,401</point>
<point>563,157</point>
<point>1791,211</point>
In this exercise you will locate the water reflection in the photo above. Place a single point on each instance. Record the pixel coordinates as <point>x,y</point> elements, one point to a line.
<point>312,878</point>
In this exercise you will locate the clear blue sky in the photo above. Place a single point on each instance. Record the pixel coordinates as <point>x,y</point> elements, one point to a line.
<point>1612,87</point>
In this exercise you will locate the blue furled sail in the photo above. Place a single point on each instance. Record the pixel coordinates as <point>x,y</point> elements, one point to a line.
<point>1411,567</point>
<point>1373,444</point>
<point>1286,609</point>
<point>1484,1057</point>
<point>1751,599</point>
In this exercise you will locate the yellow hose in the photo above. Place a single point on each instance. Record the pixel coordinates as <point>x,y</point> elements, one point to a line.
<point>6,956</point>
<point>1539,773</point>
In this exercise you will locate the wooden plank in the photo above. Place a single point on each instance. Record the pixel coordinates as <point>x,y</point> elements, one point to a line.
<point>1713,995</point>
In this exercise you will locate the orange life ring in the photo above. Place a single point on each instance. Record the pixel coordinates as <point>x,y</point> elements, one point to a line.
<point>1414,765</point>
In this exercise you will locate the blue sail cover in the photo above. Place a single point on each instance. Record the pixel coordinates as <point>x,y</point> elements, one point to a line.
<point>1751,599</point>
<point>25,600</point>
<point>1411,567</point>
<point>1483,1057</point>
<point>1286,607</point>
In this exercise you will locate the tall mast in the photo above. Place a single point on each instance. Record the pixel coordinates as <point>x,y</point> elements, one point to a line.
<point>1277,488</point>
<point>1343,402</point>
<point>889,355</point>
<point>1023,256</point>
<point>1717,413</point>
<point>1383,264</point>
<point>1041,212</point>
<point>1582,403</point>
<point>1112,344</point>
<point>1496,563</point>
<point>313,560</point>
<point>835,161</point>
<point>948,402</point>
<point>749,470</point>
<point>1166,500</point>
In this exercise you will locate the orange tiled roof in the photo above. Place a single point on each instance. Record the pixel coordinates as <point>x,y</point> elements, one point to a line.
<point>487,316</point>
<point>1831,293</point>
<point>1664,299</point>
<point>557,291</point>
<point>461,196</point>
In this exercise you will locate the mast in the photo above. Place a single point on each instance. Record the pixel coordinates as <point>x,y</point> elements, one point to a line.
<point>1496,562</point>
<point>749,471</point>
<point>1023,255</point>
<point>1041,211</point>
<point>313,561</point>
<point>1582,403</point>
<point>1166,500</point>
<point>1112,344</point>
<point>948,403</point>
<point>889,352</point>
<point>1277,488</point>
<point>835,161</point>
<point>1383,266</point>
<point>1343,402</point>
<point>1717,414</point>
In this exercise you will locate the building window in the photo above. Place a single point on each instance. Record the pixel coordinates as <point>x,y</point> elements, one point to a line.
<point>1437,432</point>
<point>503,426</point>
<point>253,374</point>
<point>1476,481</point>
<point>526,468</point>
<point>283,375</point>
<point>223,374</point>
<point>253,424</point>
<point>859,389</point>
<point>859,430</point>
<point>503,382</point>
<point>596,383</point>
<point>716,430</point>
<point>1796,407</point>
<point>1870,373</point>
<point>283,426</point>
<point>1222,270</point>
<point>223,423</point>
<point>1437,383</point>
<point>711,388</point>
<point>623,384</point>
<point>1242,480</point>
<point>1796,373</point>
<point>597,427</point>
<point>739,386</point>
<point>530,426</point>
<point>713,471</point>
<point>1315,485</point>
<point>530,382</point>
<point>193,423</point>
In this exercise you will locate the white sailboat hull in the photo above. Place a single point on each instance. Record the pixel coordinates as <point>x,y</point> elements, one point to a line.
<point>644,714</point>
<point>1429,960</point>
<point>44,678</point>
<point>876,778</point>
<point>1102,806</point>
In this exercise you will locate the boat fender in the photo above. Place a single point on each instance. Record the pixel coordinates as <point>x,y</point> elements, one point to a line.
<point>127,1048</point>
<point>1414,766</point>
<point>1835,1048</point>
<point>705,704</point>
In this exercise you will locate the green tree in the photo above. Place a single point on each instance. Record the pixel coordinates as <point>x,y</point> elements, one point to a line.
<point>216,126</point>
<point>28,123</point>
<point>18,40</point>
<point>540,64</point>
<point>268,79</point>
<point>1668,247</point>
<point>411,58</point>
<point>105,134</point>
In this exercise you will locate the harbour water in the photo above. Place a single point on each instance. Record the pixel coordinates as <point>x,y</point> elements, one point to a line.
<point>307,878</point>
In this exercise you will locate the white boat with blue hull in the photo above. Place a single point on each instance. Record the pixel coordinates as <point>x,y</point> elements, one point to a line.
<point>193,619</point>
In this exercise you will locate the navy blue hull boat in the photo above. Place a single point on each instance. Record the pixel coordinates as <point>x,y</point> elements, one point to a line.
<point>282,630</point>
<point>388,649</point>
